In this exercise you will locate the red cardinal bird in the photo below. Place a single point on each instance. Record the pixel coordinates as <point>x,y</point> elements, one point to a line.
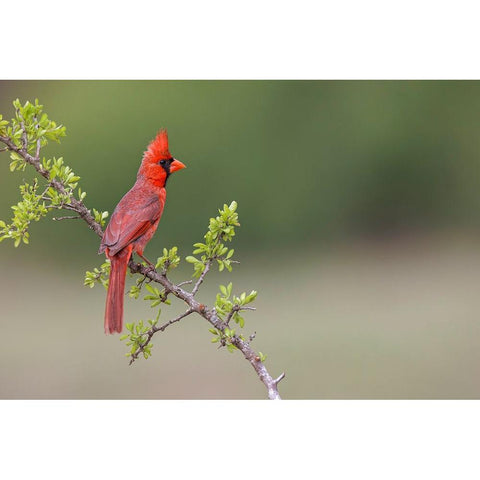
<point>134,222</point>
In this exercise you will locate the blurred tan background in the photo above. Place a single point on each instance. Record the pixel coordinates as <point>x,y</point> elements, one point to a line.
<point>359,203</point>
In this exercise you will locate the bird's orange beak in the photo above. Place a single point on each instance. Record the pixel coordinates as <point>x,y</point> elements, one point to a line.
<point>176,165</point>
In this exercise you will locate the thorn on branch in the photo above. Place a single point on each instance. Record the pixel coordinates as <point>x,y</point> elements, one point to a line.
<point>279,378</point>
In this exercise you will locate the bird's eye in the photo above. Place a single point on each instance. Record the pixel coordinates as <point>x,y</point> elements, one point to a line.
<point>162,162</point>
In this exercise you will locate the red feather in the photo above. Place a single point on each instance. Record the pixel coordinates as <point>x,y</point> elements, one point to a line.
<point>158,147</point>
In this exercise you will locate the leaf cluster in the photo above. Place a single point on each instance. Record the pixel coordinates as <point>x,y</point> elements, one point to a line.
<point>220,229</point>
<point>100,217</point>
<point>224,305</point>
<point>229,306</point>
<point>98,275</point>
<point>156,297</point>
<point>31,208</point>
<point>138,338</point>
<point>29,131</point>
<point>225,337</point>
<point>168,261</point>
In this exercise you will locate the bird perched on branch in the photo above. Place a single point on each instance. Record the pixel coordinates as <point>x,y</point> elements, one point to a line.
<point>134,222</point>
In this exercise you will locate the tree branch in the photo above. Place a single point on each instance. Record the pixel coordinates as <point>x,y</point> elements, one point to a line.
<point>209,314</point>
<point>76,205</point>
<point>176,319</point>
<point>202,277</point>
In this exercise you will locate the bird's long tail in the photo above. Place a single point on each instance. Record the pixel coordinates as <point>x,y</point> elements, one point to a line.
<point>115,293</point>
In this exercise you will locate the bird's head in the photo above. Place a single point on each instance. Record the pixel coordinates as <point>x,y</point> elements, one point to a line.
<point>158,163</point>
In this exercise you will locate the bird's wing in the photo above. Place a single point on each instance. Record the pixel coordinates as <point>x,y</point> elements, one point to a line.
<point>133,216</point>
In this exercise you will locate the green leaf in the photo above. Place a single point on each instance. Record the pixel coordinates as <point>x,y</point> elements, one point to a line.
<point>152,290</point>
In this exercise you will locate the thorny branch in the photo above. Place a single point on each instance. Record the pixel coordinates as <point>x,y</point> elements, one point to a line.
<point>209,314</point>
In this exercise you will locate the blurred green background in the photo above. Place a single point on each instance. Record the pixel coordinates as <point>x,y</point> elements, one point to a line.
<point>359,203</point>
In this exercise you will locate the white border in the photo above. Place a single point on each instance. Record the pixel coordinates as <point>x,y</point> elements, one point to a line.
<point>252,39</point>
<point>238,439</point>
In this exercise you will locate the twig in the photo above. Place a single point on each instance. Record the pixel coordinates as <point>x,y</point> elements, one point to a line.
<point>206,269</point>
<point>279,378</point>
<point>237,308</point>
<point>202,277</point>
<point>70,217</point>
<point>176,319</point>
<point>39,143</point>
<point>24,134</point>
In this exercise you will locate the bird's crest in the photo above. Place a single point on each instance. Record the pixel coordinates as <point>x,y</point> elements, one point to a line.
<point>158,147</point>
